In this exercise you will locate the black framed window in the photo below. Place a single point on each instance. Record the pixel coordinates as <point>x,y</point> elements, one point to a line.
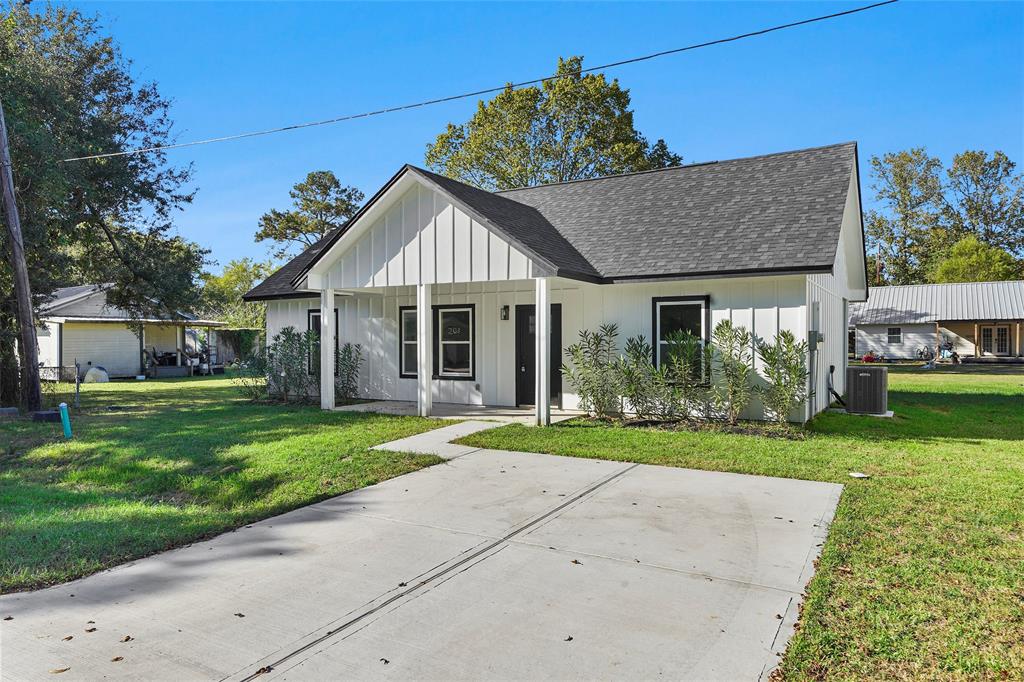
<point>453,347</point>
<point>895,335</point>
<point>407,342</point>
<point>313,324</point>
<point>678,313</point>
<point>455,342</point>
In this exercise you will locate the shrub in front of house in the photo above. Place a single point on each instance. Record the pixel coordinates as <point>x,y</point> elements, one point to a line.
<point>648,391</point>
<point>732,364</point>
<point>347,361</point>
<point>785,373</point>
<point>592,370</point>
<point>693,381</point>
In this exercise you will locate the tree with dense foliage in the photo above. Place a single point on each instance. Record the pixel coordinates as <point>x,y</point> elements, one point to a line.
<point>985,198</point>
<point>925,212</point>
<point>971,260</point>
<point>222,294</point>
<point>571,127</point>
<point>320,204</point>
<point>68,92</point>
<point>907,186</point>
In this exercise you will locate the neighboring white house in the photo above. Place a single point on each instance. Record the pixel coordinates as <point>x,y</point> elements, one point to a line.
<point>78,325</point>
<point>771,242</point>
<point>976,319</point>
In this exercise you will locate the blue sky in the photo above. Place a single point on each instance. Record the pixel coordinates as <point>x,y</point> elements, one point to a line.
<point>947,76</point>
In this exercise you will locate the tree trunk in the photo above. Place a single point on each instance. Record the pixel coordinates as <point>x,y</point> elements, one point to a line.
<point>30,389</point>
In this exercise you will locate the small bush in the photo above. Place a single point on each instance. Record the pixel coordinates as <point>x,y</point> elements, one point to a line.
<point>293,366</point>
<point>347,362</point>
<point>251,377</point>
<point>785,371</point>
<point>687,368</point>
<point>649,390</point>
<point>732,360</point>
<point>592,371</point>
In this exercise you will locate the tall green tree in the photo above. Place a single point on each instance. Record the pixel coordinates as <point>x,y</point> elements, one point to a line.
<point>924,211</point>
<point>909,189</point>
<point>69,92</point>
<point>572,127</point>
<point>985,198</point>
<point>222,294</point>
<point>320,203</point>
<point>971,260</point>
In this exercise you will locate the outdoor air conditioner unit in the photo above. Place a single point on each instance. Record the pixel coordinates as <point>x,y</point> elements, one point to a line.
<point>867,390</point>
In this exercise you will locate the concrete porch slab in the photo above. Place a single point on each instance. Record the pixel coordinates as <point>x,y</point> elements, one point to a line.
<point>506,415</point>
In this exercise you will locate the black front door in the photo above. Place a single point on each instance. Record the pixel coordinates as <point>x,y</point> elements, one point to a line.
<point>526,354</point>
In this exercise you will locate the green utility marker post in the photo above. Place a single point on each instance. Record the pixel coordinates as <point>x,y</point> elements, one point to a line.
<point>65,419</point>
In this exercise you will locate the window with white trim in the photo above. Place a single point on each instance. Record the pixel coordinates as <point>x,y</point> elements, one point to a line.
<point>674,315</point>
<point>407,342</point>
<point>455,342</point>
<point>895,335</point>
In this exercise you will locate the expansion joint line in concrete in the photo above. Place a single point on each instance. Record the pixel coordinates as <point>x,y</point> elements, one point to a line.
<point>440,574</point>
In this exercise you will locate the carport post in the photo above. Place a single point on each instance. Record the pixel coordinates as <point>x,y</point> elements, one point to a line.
<point>542,311</point>
<point>424,361</point>
<point>327,349</point>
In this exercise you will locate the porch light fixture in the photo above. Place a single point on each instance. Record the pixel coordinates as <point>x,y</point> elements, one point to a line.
<point>504,312</point>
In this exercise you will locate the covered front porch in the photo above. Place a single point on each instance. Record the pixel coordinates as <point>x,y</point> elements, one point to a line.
<point>469,349</point>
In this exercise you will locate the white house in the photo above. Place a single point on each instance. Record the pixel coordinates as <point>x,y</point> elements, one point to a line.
<point>771,242</point>
<point>78,325</point>
<point>978,320</point>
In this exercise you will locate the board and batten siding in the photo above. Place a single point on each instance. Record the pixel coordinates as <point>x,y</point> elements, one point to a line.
<point>422,238</point>
<point>763,305</point>
<point>828,312</point>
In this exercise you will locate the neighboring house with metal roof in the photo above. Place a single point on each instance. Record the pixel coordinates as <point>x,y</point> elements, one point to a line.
<point>78,325</point>
<point>976,319</point>
<point>771,242</point>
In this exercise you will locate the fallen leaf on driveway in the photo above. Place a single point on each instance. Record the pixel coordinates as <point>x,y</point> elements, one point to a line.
<point>115,659</point>
<point>8,617</point>
<point>67,638</point>
<point>384,661</point>
<point>240,615</point>
<point>264,670</point>
<point>568,639</point>
<point>90,629</point>
<point>576,561</point>
<point>127,638</point>
<point>60,670</point>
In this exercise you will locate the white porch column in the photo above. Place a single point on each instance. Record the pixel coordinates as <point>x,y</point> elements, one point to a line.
<point>327,349</point>
<point>424,346</point>
<point>542,311</point>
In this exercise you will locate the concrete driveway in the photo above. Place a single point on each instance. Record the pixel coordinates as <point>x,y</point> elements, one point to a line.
<point>491,565</point>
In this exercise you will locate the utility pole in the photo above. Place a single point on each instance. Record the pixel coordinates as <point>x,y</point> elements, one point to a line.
<point>30,390</point>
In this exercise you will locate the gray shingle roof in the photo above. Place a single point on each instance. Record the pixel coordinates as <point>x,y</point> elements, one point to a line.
<point>279,284</point>
<point>940,302</point>
<point>778,212</point>
<point>775,212</point>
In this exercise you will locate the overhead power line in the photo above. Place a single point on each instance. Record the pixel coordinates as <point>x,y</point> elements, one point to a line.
<point>486,91</point>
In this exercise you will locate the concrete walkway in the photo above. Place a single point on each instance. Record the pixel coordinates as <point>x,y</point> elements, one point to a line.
<point>492,565</point>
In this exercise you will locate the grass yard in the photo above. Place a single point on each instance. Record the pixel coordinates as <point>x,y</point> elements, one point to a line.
<point>185,459</point>
<point>922,575</point>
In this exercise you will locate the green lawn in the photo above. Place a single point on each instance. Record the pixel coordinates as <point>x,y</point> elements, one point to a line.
<point>922,575</point>
<point>185,459</point>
